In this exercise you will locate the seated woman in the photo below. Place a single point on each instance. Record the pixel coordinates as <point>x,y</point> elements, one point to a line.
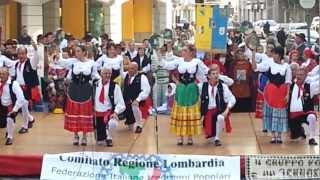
<point>56,88</point>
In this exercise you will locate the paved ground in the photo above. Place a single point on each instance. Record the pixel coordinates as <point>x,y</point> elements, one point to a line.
<point>48,136</point>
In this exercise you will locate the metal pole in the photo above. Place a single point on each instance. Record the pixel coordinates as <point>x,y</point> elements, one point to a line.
<point>308,19</point>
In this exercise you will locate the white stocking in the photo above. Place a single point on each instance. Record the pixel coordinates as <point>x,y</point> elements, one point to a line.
<point>137,115</point>
<point>26,116</point>
<point>219,126</point>
<point>10,127</point>
<point>312,120</point>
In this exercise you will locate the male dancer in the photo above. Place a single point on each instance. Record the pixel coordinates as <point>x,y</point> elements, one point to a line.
<point>216,103</point>
<point>109,104</point>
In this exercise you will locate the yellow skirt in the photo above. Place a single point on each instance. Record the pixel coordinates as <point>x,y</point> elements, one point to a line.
<point>185,120</point>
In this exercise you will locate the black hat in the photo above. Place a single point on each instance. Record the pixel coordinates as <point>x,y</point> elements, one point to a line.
<point>302,36</point>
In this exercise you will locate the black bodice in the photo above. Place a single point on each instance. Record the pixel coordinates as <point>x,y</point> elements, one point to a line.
<point>187,78</point>
<point>81,78</point>
<point>276,79</point>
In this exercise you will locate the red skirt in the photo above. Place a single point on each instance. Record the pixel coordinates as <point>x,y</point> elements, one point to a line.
<point>78,116</point>
<point>209,126</point>
<point>145,107</point>
<point>275,95</point>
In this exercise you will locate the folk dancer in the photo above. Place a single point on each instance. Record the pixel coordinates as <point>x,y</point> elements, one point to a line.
<point>136,91</point>
<point>276,93</point>
<point>12,99</point>
<point>302,118</point>
<point>79,106</point>
<point>112,60</point>
<point>109,104</point>
<point>185,116</point>
<point>216,103</point>
<point>27,77</point>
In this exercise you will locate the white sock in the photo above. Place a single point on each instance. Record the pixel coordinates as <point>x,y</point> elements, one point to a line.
<point>109,136</point>
<point>219,126</point>
<point>312,120</point>
<point>10,127</point>
<point>137,116</point>
<point>26,116</point>
<point>305,127</point>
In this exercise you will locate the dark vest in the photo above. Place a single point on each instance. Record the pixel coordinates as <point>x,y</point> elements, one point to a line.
<point>30,75</point>
<point>145,61</point>
<point>221,105</point>
<point>131,91</point>
<point>307,101</point>
<point>112,86</point>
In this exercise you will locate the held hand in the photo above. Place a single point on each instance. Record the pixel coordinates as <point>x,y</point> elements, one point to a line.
<point>12,114</point>
<point>114,116</point>
<point>225,113</point>
<point>286,99</point>
<point>135,103</point>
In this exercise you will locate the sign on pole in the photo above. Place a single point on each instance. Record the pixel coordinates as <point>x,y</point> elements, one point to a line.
<point>307,4</point>
<point>211,28</point>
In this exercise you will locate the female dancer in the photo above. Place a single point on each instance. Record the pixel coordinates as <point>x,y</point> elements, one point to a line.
<point>276,93</point>
<point>112,60</point>
<point>79,106</point>
<point>185,116</point>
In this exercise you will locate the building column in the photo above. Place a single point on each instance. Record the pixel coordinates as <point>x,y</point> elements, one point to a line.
<point>10,21</point>
<point>74,17</point>
<point>162,15</point>
<point>31,17</point>
<point>51,16</point>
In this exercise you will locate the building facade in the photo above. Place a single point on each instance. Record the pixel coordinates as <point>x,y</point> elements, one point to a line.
<point>121,19</point>
<point>282,11</point>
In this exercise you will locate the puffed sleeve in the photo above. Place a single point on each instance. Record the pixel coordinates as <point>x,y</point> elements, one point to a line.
<point>120,105</point>
<point>202,71</point>
<point>288,75</point>
<point>170,65</point>
<point>264,66</point>
<point>228,97</point>
<point>95,74</point>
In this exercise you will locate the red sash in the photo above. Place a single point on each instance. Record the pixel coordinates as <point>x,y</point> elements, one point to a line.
<point>106,115</point>
<point>208,123</point>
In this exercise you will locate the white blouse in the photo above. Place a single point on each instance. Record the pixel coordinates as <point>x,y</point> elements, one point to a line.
<point>283,69</point>
<point>191,67</point>
<point>76,66</point>
<point>114,63</point>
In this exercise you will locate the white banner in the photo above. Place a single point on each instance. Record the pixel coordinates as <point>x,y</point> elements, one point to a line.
<point>101,165</point>
<point>283,167</point>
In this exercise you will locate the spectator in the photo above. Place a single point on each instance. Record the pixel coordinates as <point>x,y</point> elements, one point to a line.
<point>24,38</point>
<point>282,37</point>
<point>266,28</point>
<point>300,40</point>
